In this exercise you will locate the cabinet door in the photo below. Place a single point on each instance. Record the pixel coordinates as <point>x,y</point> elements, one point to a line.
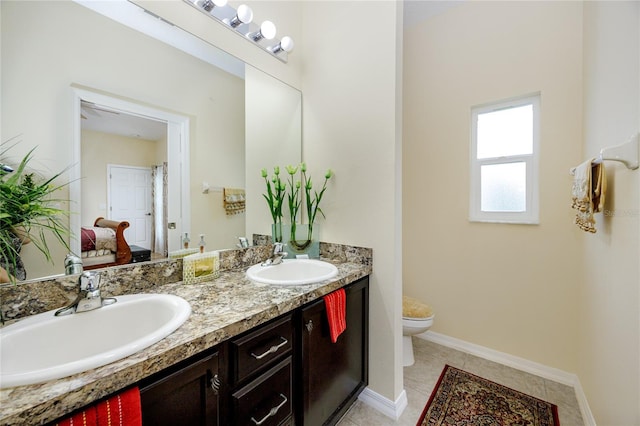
<point>334,373</point>
<point>184,397</point>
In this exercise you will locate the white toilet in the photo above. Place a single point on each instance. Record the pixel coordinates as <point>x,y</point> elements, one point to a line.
<point>416,318</point>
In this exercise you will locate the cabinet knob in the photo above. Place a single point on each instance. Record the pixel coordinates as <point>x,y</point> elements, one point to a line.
<point>309,326</point>
<point>215,383</point>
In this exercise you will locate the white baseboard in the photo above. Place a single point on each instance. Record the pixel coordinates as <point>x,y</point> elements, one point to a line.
<point>391,409</point>
<point>522,364</point>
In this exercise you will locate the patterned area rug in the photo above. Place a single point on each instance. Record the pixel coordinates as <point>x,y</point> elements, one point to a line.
<point>463,399</point>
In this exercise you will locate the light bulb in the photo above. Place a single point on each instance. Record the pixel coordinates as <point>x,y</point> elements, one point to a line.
<point>244,15</point>
<point>285,45</point>
<point>267,31</point>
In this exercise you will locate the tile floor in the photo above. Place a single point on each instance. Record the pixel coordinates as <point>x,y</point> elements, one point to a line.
<point>420,378</point>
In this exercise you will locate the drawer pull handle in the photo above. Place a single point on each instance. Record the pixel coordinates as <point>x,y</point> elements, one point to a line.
<point>272,349</point>
<point>271,412</point>
<point>309,326</point>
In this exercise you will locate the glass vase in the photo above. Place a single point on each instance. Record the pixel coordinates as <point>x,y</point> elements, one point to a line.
<point>276,232</point>
<point>298,242</point>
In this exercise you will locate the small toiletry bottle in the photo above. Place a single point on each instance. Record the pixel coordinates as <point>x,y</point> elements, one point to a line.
<point>202,243</point>
<point>185,240</point>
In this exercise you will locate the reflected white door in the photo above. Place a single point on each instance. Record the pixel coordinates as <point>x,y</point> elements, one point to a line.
<point>130,200</point>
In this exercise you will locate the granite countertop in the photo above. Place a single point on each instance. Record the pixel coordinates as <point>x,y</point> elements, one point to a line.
<point>223,308</point>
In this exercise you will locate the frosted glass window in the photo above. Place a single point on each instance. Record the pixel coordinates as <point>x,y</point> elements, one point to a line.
<point>504,152</point>
<point>503,187</point>
<point>505,132</point>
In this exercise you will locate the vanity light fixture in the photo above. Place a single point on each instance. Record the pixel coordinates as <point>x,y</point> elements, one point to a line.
<point>267,32</point>
<point>285,45</point>
<point>244,15</point>
<point>240,21</point>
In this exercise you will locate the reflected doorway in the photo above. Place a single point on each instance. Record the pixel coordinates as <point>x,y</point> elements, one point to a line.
<point>119,152</point>
<point>115,132</point>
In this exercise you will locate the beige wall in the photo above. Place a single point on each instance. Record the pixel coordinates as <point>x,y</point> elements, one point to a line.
<point>99,150</point>
<point>511,288</point>
<point>48,46</point>
<point>349,125</point>
<point>609,309</point>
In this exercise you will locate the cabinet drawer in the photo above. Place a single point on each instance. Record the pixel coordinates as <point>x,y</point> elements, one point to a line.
<point>266,401</point>
<point>261,347</point>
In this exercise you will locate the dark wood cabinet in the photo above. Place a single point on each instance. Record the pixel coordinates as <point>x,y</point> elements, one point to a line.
<point>332,375</point>
<point>186,394</point>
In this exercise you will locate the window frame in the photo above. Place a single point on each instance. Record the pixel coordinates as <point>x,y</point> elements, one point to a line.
<point>531,216</point>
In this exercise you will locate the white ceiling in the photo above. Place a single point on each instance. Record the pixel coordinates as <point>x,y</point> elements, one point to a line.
<point>108,120</point>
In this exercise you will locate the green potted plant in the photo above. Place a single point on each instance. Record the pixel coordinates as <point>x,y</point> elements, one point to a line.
<point>28,213</point>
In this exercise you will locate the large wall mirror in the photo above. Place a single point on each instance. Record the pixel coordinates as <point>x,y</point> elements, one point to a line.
<point>123,107</point>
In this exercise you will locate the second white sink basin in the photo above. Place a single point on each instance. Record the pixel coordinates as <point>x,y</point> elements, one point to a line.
<point>45,347</point>
<point>293,272</point>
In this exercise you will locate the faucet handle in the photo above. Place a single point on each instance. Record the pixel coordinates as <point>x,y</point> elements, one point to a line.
<point>89,281</point>
<point>278,248</point>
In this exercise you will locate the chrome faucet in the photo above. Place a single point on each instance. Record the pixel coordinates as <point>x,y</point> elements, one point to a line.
<point>89,297</point>
<point>72,264</point>
<point>277,256</point>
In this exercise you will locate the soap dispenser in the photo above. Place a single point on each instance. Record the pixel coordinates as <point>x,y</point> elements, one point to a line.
<point>202,243</point>
<point>186,240</point>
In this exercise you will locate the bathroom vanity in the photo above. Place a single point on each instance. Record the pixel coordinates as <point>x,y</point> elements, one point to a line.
<point>219,366</point>
<point>286,371</point>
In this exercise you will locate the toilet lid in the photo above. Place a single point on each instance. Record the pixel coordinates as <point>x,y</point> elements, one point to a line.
<point>413,308</point>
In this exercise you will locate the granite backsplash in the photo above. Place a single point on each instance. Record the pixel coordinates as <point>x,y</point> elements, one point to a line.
<point>33,297</point>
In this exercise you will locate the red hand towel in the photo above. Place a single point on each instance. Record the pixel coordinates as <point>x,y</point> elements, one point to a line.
<point>120,410</point>
<point>336,305</point>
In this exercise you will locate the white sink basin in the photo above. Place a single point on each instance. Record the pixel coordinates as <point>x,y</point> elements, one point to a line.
<point>45,347</point>
<point>293,272</point>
